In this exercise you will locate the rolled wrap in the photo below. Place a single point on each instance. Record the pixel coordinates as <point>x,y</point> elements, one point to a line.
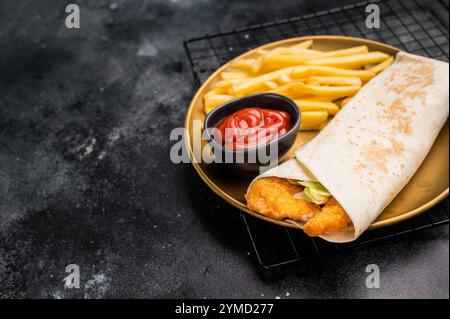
<point>375,144</point>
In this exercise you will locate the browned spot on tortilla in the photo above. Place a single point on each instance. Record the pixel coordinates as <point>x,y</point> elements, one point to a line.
<point>361,166</point>
<point>396,115</point>
<point>377,155</point>
<point>397,147</point>
<point>412,84</point>
<point>391,77</point>
<point>408,86</point>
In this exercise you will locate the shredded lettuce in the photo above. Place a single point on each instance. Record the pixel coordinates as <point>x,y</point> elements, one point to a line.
<point>313,192</point>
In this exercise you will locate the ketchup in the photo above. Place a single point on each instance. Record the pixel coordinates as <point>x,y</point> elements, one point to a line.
<point>253,126</point>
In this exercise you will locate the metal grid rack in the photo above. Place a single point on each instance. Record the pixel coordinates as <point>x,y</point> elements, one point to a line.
<point>408,25</point>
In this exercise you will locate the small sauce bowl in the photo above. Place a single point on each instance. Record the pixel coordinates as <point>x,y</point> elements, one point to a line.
<point>249,159</point>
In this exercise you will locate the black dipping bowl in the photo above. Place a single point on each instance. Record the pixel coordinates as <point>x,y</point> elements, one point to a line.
<point>248,159</point>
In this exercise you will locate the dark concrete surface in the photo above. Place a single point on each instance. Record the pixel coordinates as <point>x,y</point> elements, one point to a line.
<point>85,175</point>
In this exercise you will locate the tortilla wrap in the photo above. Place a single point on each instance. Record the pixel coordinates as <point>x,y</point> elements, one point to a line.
<point>376,143</point>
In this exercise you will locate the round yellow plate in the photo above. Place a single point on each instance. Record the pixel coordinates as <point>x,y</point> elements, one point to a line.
<point>427,188</point>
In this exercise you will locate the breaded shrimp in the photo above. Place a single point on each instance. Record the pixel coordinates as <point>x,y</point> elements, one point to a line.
<point>274,197</point>
<point>332,218</point>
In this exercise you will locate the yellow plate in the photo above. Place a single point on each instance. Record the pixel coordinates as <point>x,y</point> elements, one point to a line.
<point>427,188</point>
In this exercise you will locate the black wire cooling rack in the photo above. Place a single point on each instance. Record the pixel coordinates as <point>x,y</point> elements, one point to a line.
<point>409,25</point>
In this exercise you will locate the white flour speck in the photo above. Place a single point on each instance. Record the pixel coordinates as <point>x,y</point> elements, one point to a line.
<point>147,49</point>
<point>98,286</point>
<point>102,155</point>
<point>57,295</point>
<point>113,136</point>
<point>85,148</point>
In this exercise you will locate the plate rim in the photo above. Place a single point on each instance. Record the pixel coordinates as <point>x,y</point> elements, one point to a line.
<point>376,224</point>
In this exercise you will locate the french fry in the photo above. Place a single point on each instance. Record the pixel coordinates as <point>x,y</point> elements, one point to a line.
<point>381,66</point>
<point>263,86</point>
<point>305,71</point>
<point>290,51</point>
<point>314,117</point>
<point>228,83</point>
<point>257,65</point>
<point>277,61</point>
<point>303,45</point>
<point>308,106</point>
<point>271,85</point>
<point>284,57</point>
<point>255,83</point>
<point>300,51</point>
<point>352,61</point>
<point>214,100</point>
<point>284,79</point>
<point>333,92</point>
<point>215,91</point>
<point>290,90</point>
<point>279,50</point>
<point>242,64</point>
<point>305,51</point>
<point>312,98</point>
<point>312,126</point>
<point>313,120</point>
<point>302,48</point>
<point>233,75</point>
<point>333,80</point>
<point>345,52</point>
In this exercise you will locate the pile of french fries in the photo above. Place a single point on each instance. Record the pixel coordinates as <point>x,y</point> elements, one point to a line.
<point>319,82</point>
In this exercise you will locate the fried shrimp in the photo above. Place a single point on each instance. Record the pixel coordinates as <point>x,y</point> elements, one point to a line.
<point>274,197</point>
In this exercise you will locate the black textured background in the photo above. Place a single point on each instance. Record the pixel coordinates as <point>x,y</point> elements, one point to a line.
<point>85,175</point>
